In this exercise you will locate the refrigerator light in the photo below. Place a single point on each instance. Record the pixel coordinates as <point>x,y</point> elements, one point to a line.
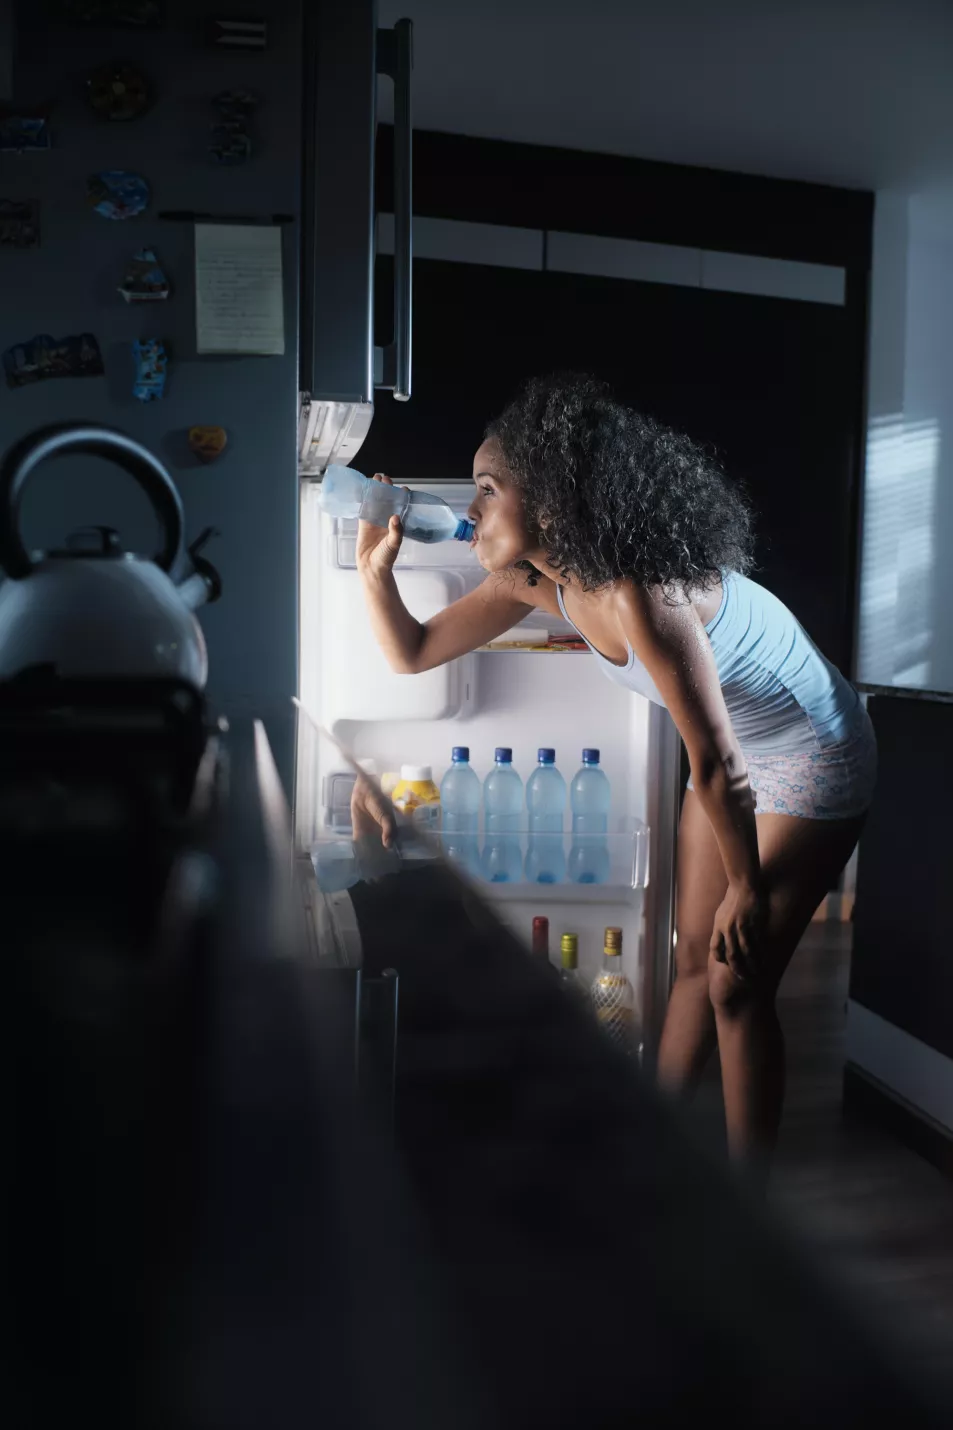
<point>330,432</point>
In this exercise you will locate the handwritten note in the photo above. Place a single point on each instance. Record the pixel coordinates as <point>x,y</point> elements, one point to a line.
<point>239,295</point>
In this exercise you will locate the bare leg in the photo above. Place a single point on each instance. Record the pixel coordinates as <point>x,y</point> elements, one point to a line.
<point>688,1037</point>
<point>800,861</point>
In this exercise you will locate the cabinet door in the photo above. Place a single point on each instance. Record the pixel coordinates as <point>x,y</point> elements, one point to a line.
<point>766,381</point>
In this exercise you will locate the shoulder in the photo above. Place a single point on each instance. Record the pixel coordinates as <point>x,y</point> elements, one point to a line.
<point>651,608</point>
<point>513,585</point>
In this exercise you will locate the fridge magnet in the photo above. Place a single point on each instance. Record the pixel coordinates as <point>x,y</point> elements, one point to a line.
<point>237,34</point>
<point>208,443</point>
<point>20,133</point>
<point>144,281</point>
<point>129,14</point>
<point>117,194</point>
<point>19,223</point>
<point>118,92</point>
<point>42,357</point>
<point>231,141</point>
<point>151,369</point>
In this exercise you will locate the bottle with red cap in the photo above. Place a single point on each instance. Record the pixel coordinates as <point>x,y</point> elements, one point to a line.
<point>540,943</point>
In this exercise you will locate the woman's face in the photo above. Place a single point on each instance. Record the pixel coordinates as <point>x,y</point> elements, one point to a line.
<point>501,535</point>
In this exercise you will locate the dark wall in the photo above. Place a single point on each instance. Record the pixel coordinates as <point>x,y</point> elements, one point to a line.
<point>69,285</point>
<point>775,386</point>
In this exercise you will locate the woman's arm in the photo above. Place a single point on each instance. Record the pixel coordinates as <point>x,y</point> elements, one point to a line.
<point>411,646</point>
<point>672,643</point>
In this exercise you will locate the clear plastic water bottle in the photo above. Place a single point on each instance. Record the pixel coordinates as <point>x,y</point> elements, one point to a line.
<point>502,813</point>
<point>545,805</point>
<point>424,517</point>
<point>590,796</point>
<point>460,811</point>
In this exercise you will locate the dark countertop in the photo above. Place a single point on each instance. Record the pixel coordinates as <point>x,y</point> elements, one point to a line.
<point>907,692</point>
<point>600,1267</point>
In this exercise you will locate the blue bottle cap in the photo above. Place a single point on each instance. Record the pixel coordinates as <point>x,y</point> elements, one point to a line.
<point>546,757</point>
<point>464,531</point>
<point>460,754</point>
<point>590,757</point>
<point>503,755</point>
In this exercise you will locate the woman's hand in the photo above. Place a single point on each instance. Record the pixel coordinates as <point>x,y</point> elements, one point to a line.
<point>371,813</point>
<point>739,927</point>
<point>378,546</point>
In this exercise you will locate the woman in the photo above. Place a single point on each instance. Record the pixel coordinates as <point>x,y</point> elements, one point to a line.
<point>589,511</point>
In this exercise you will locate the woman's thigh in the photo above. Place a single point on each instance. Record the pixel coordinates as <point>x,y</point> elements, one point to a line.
<point>801,860</point>
<point>700,886</point>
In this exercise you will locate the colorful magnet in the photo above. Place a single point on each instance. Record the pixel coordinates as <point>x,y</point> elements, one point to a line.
<point>131,14</point>
<point>151,369</point>
<point>231,139</point>
<point>208,443</point>
<point>117,194</point>
<point>44,357</point>
<point>144,281</point>
<point>19,223</point>
<point>118,92</point>
<point>237,34</point>
<point>22,132</point>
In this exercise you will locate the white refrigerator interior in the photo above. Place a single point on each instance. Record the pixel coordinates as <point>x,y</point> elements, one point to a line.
<point>521,699</point>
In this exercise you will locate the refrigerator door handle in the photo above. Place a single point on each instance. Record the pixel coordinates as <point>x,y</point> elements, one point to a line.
<point>395,58</point>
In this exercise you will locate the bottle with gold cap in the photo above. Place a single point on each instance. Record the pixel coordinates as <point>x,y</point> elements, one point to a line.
<point>569,979</point>
<point>613,997</point>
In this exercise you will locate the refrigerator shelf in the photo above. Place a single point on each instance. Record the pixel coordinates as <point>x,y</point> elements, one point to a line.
<point>558,648</point>
<point>565,893</point>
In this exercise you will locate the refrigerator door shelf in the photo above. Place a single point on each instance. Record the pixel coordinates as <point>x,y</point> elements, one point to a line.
<point>444,555</point>
<point>628,869</point>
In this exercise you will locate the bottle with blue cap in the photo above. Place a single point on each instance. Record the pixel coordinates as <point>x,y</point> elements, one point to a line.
<point>590,796</point>
<point>423,516</point>
<point>545,806</point>
<point>460,812</point>
<point>502,814</point>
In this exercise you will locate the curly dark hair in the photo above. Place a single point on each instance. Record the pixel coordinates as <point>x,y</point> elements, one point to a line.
<point>612,494</point>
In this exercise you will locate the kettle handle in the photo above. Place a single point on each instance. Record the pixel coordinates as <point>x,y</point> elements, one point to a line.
<point>68,438</point>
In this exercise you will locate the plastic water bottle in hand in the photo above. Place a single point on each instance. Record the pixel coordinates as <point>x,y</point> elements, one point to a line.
<point>590,797</point>
<point>460,812</point>
<point>502,814</point>
<point>423,516</point>
<point>545,804</point>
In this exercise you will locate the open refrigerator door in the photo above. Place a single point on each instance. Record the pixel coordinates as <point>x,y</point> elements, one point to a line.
<point>533,688</point>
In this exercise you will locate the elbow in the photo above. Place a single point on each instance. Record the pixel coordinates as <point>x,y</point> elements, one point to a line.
<point>403,664</point>
<point>719,772</point>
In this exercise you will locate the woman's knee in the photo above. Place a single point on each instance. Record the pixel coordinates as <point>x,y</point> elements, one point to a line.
<point>691,960</point>
<point>729,996</point>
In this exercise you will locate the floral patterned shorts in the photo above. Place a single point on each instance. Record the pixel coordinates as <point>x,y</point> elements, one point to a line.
<point>837,783</point>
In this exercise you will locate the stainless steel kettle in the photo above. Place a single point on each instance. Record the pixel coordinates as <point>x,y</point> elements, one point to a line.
<point>94,609</point>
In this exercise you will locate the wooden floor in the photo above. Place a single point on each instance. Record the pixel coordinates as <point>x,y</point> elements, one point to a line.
<point>878,1217</point>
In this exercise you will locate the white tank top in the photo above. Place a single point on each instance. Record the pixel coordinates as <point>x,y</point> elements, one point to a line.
<point>782,694</point>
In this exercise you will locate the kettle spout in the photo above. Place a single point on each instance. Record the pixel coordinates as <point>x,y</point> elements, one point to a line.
<point>203,585</point>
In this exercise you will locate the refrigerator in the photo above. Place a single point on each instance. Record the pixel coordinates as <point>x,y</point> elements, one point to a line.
<point>523,698</point>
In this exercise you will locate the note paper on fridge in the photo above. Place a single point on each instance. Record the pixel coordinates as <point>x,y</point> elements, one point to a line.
<point>239,296</point>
